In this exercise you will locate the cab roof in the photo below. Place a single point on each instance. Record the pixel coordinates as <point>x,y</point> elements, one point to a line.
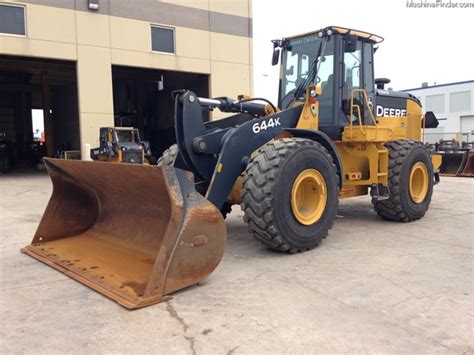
<point>343,30</point>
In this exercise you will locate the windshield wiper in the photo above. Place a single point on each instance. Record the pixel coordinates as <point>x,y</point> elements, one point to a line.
<point>312,73</point>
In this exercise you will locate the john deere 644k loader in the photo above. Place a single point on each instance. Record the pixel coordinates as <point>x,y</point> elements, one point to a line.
<point>137,233</point>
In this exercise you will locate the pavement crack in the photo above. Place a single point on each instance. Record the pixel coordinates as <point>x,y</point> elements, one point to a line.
<point>184,325</point>
<point>231,351</point>
<point>397,285</point>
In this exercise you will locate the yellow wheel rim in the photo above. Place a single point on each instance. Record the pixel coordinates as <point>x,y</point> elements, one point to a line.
<point>308,196</point>
<point>418,183</point>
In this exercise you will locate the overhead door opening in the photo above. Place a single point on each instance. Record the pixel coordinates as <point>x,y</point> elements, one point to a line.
<point>39,113</point>
<point>143,99</point>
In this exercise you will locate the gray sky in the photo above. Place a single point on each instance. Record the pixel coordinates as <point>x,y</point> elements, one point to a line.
<point>433,45</point>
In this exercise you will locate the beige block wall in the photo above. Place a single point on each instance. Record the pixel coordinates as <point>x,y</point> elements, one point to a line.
<point>27,47</point>
<point>159,61</point>
<point>98,41</point>
<point>228,48</point>
<point>234,7</point>
<point>92,29</point>
<point>237,82</point>
<point>94,73</point>
<point>192,43</point>
<point>197,4</point>
<point>50,34</point>
<point>55,24</point>
<point>89,125</point>
<point>130,35</point>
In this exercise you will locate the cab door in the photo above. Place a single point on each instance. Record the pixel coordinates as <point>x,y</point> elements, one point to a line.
<point>357,73</point>
<point>368,79</point>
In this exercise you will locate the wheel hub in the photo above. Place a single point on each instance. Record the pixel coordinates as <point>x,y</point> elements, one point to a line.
<point>418,182</point>
<point>308,196</point>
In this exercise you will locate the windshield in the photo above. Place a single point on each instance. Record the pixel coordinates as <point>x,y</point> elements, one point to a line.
<point>298,63</point>
<point>125,136</point>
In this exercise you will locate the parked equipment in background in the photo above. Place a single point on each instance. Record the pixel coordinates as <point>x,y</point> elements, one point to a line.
<point>458,157</point>
<point>466,169</point>
<point>70,154</point>
<point>137,233</point>
<point>6,154</point>
<point>121,145</point>
<point>39,150</point>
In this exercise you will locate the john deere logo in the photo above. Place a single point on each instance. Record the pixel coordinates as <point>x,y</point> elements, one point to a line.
<point>390,111</point>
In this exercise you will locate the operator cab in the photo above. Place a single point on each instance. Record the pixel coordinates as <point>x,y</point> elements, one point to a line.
<point>339,61</point>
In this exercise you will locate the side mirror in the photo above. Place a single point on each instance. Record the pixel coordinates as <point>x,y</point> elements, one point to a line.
<point>290,71</point>
<point>350,44</point>
<point>430,120</point>
<point>276,56</point>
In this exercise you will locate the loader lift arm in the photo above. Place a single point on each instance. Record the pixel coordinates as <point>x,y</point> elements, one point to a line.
<point>232,143</point>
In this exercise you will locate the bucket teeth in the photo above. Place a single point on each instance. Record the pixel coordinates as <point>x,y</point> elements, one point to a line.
<point>134,233</point>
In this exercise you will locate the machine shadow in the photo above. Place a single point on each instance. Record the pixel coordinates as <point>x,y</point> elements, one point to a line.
<point>240,241</point>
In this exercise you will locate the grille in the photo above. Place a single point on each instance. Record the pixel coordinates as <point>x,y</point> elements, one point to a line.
<point>132,157</point>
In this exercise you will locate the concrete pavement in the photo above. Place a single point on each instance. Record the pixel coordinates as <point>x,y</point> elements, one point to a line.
<point>372,286</point>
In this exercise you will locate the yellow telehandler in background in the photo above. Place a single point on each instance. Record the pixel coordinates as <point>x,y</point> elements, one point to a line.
<point>137,233</point>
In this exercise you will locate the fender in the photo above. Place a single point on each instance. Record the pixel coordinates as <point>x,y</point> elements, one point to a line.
<point>325,141</point>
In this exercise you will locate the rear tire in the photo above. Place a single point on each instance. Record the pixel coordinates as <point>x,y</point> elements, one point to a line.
<point>407,203</point>
<point>168,157</point>
<point>267,194</point>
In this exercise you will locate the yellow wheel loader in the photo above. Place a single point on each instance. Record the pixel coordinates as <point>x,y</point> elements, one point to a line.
<point>137,233</point>
<point>121,145</point>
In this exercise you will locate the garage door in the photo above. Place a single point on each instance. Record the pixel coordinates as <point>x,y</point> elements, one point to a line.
<point>467,126</point>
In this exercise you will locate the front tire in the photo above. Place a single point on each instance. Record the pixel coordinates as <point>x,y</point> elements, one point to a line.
<point>410,175</point>
<point>290,194</point>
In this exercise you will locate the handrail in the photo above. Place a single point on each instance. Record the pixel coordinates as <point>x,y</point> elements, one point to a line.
<point>423,128</point>
<point>359,113</point>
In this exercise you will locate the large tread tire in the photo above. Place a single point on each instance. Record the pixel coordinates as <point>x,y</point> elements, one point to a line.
<point>266,194</point>
<point>399,206</point>
<point>167,158</point>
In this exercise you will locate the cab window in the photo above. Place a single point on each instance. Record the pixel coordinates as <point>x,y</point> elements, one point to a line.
<point>103,135</point>
<point>300,58</point>
<point>125,136</point>
<point>352,69</point>
<point>352,80</point>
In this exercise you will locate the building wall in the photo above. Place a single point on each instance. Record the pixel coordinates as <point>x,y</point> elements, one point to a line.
<point>453,105</point>
<point>211,37</point>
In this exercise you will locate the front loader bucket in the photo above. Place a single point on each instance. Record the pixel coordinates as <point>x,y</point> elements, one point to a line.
<point>467,165</point>
<point>450,163</point>
<point>134,233</point>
